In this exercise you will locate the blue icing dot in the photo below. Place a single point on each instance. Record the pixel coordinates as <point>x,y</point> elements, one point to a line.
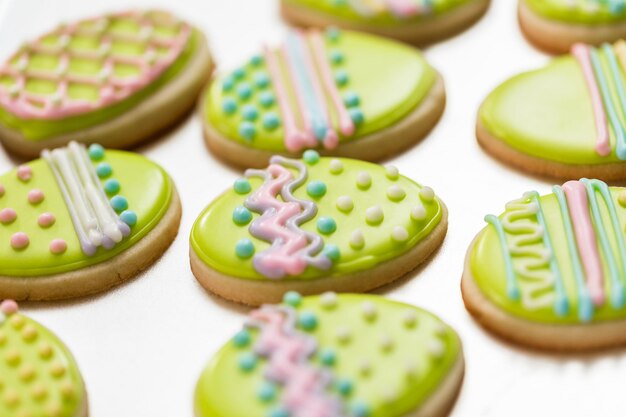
<point>351,99</point>
<point>333,33</point>
<point>247,130</point>
<point>267,392</point>
<point>96,152</point>
<point>228,83</point>
<point>256,60</point>
<point>242,186</point>
<point>311,157</point>
<point>129,217</point>
<point>271,121</point>
<point>229,105</point>
<point>344,386</point>
<point>341,77</point>
<point>326,225</point>
<point>307,320</point>
<point>104,170</point>
<point>242,215</point>
<point>267,98</point>
<point>279,412</point>
<point>112,186</point>
<point>242,339</point>
<point>119,203</point>
<point>244,91</point>
<point>316,188</point>
<point>336,56</point>
<point>332,252</point>
<point>239,73</point>
<point>360,409</point>
<point>292,298</point>
<point>247,362</point>
<point>261,80</point>
<point>244,248</point>
<point>356,115</point>
<point>250,112</point>
<point>328,357</point>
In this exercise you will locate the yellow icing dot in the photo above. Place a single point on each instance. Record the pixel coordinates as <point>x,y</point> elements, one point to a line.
<point>57,370</point>
<point>17,321</point>
<point>29,333</point>
<point>27,373</point>
<point>11,398</point>
<point>45,350</point>
<point>12,357</point>
<point>67,390</point>
<point>54,410</point>
<point>39,391</point>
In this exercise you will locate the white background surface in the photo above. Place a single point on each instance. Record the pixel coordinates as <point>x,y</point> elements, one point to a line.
<point>142,346</point>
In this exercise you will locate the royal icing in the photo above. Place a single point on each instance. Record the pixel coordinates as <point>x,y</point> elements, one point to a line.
<point>563,255</point>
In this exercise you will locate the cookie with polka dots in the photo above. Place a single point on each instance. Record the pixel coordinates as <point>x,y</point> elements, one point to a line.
<point>313,225</point>
<point>81,220</point>
<point>335,355</point>
<point>115,79</point>
<point>38,375</point>
<point>343,93</point>
<point>417,22</point>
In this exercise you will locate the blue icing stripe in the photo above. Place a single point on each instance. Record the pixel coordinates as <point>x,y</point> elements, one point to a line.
<point>616,73</point>
<point>512,287</point>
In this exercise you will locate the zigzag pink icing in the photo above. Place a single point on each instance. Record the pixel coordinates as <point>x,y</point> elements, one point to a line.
<point>293,249</point>
<point>288,352</point>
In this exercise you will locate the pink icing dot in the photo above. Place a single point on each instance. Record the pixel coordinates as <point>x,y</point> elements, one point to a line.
<point>19,240</point>
<point>24,173</point>
<point>46,219</point>
<point>8,307</point>
<point>35,196</point>
<point>7,215</point>
<point>2,190</point>
<point>58,246</point>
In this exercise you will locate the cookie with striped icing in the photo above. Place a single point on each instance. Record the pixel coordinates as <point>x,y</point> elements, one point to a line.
<point>565,120</point>
<point>314,225</point>
<point>334,355</point>
<point>81,220</point>
<point>38,375</point>
<point>556,25</point>
<point>115,79</point>
<point>550,272</point>
<point>413,21</point>
<point>343,93</point>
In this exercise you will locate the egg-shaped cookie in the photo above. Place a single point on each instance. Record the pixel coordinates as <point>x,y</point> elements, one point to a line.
<point>344,93</point>
<point>413,21</point>
<point>314,225</point>
<point>81,220</point>
<point>115,79</point>
<point>556,25</point>
<point>550,272</point>
<point>38,374</point>
<point>334,355</point>
<point>565,120</point>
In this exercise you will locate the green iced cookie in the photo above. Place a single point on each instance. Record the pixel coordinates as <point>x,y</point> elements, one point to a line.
<point>79,220</point>
<point>313,225</point>
<point>334,355</point>
<point>564,120</point>
<point>550,271</point>
<point>38,375</point>
<point>346,93</point>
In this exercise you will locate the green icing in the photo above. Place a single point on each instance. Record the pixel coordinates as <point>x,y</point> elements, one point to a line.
<point>366,60</point>
<point>488,266</point>
<point>42,129</point>
<point>547,113</point>
<point>38,375</point>
<point>216,220</point>
<point>590,12</point>
<point>144,184</point>
<point>224,390</point>
<point>343,10</point>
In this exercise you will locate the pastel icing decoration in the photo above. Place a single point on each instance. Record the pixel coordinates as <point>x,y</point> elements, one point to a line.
<point>413,21</point>
<point>564,120</point>
<point>301,103</point>
<point>92,80</point>
<point>24,173</point>
<point>288,361</point>
<point>65,231</point>
<point>556,25</point>
<point>38,373</point>
<point>278,236</point>
<point>549,272</point>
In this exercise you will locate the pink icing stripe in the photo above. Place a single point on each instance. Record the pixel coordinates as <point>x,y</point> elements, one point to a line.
<point>583,55</point>
<point>294,138</point>
<point>331,140</point>
<point>403,8</point>
<point>305,387</point>
<point>346,125</point>
<point>578,204</point>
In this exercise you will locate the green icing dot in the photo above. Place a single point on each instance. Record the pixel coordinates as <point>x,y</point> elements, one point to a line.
<point>336,56</point>
<point>333,34</point>
<point>242,339</point>
<point>326,225</point>
<point>250,112</point>
<point>279,412</point>
<point>270,121</point>
<point>247,361</point>
<point>328,357</point>
<point>307,320</point>
<point>244,248</point>
<point>292,298</point>
<point>256,60</point>
<point>341,77</point>
<point>261,79</point>
<point>267,392</point>
<point>239,73</point>
<point>119,203</point>
<point>344,386</point>
<point>267,98</point>
<point>229,105</point>
<point>316,188</point>
<point>112,186</point>
<point>104,170</point>
<point>96,152</point>
<point>360,409</point>
<point>351,99</point>
<point>247,130</point>
<point>356,115</point>
<point>332,252</point>
<point>228,83</point>
<point>129,217</point>
<point>241,215</point>
<point>244,91</point>
<point>242,186</point>
<point>311,157</point>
